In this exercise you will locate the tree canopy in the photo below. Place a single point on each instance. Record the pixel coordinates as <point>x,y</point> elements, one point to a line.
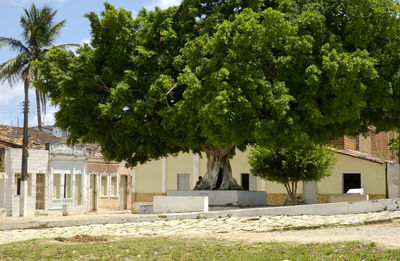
<point>214,75</point>
<point>299,161</point>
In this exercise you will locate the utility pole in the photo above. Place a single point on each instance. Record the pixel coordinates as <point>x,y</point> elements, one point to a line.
<point>23,197</point>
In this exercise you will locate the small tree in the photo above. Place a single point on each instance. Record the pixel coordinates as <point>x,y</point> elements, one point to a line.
<point>288,165</point>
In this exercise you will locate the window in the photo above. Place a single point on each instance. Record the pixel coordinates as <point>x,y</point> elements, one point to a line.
<point>114,186</point>
<point>245,180</point>
<point>351,181</point>
<point>56,186</point>
<point>29,184</point>
<point>183,182</point>
<point>78,184</point>
<point>67,185</point>
<point>2,160</point>
<point>104,187</point>
<point>357,142</point>
<point>17,184</point>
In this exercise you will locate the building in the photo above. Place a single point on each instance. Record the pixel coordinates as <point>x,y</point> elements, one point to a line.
<point>37,169</point>
<point>109,182</point>
<point>362,162</point>
<point>67,178</point>
<point>38,160</point>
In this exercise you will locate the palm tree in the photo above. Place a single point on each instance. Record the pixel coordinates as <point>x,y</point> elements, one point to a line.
<point>39,32</point>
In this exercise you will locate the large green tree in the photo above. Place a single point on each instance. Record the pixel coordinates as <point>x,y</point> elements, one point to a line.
<point>213,76</point>
<point>38,31</point>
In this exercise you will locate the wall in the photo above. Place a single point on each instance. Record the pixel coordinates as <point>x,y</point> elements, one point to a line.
<point>393,179</point>
<point>347,142</point>
<point>148,181</point>
<point>37,163</point>
<point>365,144</point>
<point>181,164</point>
<point>373,179</point>
<point>101,168</point>
<point>148,177</point>
<point>67,165</point>
<point>2,190</point>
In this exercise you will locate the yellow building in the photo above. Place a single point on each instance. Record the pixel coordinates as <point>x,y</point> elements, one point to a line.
<point>353,169</point>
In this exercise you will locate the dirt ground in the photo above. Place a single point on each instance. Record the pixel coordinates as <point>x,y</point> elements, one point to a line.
<point>386,235</point>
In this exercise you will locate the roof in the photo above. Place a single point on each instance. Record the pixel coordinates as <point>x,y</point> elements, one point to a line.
<point>11,137</point>
<point>360,155</point>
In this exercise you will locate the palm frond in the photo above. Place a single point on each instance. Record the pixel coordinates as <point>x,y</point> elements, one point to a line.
<point>43,101</point>
<point>54,31</point>
<point>13,44</point>
<point>13,69</point>
<point>66,46</point>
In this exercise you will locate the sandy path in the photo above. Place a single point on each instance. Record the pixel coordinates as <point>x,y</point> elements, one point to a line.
<point>386,235</point>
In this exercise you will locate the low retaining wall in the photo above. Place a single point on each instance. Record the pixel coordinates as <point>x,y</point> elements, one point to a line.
<point>348,198</point>
<point>317,209</point>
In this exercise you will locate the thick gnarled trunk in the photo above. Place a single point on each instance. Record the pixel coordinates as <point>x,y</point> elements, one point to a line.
<point>219,171</point>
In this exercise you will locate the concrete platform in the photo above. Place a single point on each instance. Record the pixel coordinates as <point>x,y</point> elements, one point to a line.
<point>176,204</point>
<point>225,197</point>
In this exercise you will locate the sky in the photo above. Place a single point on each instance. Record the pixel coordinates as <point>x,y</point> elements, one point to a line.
<point>77,30</point>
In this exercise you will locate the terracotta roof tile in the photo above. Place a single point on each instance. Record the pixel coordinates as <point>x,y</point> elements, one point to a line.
<point>360,155</point>
<point>12,137</point>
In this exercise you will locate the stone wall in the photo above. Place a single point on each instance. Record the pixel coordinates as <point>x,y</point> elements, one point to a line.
<point>276,199</point>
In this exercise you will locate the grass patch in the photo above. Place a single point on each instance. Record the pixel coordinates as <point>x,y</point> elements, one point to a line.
<point>173,248</point>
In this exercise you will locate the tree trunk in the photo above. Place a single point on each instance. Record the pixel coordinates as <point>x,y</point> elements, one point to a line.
<point>24,168</point>
<point>219,171</point>
<point>291,188</point>
<point>39,114</point>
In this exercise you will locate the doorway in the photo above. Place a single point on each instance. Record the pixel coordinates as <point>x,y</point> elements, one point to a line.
<point>77,189</point>
<point>40,186</point>
<point>245,181</point>
<point>93,192</point>
<point>122,191</point>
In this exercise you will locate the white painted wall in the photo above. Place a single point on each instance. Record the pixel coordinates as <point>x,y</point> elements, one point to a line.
<point>67,165</point>
<point>37,163</point>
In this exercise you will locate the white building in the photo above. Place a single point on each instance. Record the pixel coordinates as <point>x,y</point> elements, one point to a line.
<point>68,178</point>
<point>37,169</point>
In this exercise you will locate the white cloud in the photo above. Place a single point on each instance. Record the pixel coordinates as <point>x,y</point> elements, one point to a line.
<point>163,4</point>
<point>87,41</point>
<point>8,93</point>
<point>48,118</point>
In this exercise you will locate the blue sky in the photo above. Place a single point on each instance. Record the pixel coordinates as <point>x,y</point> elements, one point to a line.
<point>77,30</point>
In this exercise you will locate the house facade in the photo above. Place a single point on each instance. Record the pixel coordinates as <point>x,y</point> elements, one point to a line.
<point>353,169</point>
<point>67,180</point>
<point>109,182</point>
<point>11,191</point>
<point>10,166</point>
